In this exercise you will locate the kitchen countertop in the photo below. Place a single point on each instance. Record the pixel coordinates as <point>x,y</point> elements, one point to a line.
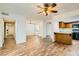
<point>64,32</point>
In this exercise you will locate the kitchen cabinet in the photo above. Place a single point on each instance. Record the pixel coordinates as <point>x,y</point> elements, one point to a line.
<point>61,24</point>
<point>64,38</point>
<point>65,25</point>
<point>68,25</point>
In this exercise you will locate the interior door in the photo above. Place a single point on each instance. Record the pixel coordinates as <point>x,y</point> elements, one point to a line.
<point>48,29</point>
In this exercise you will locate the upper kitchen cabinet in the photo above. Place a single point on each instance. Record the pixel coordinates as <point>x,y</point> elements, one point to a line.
<point>65,25</point>
<point>61,25</point>
<point>68,25</point>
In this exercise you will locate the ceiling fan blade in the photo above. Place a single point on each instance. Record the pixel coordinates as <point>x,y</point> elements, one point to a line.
<point>53,4</point>
<point>39,7</point>
<point>54,11</point>
<point>46,4</point>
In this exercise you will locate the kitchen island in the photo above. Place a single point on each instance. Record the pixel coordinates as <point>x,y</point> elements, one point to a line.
<point>63,37</point>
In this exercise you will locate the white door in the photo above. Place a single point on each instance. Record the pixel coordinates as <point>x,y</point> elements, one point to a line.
<point>48,29</point>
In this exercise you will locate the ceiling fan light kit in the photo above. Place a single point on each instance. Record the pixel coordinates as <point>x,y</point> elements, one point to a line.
<point>48,8</point>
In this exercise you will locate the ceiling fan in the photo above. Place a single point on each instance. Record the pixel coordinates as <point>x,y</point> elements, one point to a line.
<point>48,8</point>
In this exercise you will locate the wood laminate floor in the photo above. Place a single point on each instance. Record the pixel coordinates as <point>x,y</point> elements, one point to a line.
<point>46,49</point>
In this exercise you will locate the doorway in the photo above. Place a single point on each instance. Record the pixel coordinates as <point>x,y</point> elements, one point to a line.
<point>49,28</point>
<point>8,33</point>
<point>49,32</point>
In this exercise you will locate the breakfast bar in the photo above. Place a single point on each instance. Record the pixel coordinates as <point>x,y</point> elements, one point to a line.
<point>63,37</point>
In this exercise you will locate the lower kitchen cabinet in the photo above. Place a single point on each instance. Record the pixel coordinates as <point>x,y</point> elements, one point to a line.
<point>64,38</point>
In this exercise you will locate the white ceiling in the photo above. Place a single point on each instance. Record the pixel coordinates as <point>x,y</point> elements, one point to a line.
<point>30,9</point>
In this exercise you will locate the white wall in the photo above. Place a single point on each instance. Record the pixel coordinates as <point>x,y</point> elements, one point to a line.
<point>21,27</point>
<point>33,25</point>
<point>0,32</point>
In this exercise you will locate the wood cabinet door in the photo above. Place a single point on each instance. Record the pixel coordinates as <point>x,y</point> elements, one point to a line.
<point>61,25</point>
<point>68,25</point>
<point>65,25</point>
<point>63,38</point>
